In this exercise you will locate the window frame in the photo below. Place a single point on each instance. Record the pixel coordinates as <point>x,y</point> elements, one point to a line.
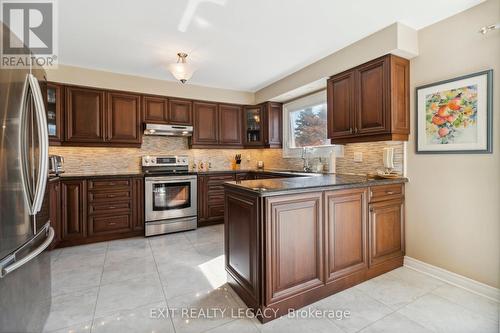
<point>298,104</point>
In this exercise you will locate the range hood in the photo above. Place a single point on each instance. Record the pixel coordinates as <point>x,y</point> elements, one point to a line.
<point>168,130</point>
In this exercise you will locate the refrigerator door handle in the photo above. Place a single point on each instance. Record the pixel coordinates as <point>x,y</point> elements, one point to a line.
<point>11,263</point>
<point>43,139</point>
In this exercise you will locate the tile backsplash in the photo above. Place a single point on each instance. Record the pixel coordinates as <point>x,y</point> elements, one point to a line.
<point>88,160</point>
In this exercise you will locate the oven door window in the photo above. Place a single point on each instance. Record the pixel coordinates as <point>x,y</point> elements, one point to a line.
<point>168,196</point>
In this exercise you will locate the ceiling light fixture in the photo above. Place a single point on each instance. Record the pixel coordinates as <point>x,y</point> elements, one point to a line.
<point>487,28</point>
<point>181,70</point>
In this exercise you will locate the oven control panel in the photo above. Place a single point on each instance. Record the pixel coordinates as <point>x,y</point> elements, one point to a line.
<point>166,160</point>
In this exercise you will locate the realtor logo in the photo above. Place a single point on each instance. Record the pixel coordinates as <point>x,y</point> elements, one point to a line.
<point>32,37</point>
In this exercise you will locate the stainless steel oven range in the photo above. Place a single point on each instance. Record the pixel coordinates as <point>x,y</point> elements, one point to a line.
<point>170,194</point>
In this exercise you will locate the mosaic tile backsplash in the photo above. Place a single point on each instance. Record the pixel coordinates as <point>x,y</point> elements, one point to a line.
<point>100,160</point>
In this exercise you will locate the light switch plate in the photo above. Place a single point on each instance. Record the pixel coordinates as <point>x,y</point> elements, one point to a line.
<point>358,156</point>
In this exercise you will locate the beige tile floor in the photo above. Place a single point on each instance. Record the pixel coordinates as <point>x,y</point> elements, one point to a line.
<point>115,286</point>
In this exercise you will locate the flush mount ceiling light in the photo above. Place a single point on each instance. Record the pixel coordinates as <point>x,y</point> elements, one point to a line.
<point>181,70</point>
<point>484,30</point>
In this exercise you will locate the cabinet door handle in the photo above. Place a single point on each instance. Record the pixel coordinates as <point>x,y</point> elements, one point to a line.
<point>372,209</point>
<point>389,192</point>
<point>112,207</point>
<point>112,184</point>
<point>111,223</point>
<point>350,130</point>
<point>111,195</point>
<point>355,130</point>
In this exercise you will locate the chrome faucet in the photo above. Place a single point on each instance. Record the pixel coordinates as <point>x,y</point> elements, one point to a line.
<point>305,158</point>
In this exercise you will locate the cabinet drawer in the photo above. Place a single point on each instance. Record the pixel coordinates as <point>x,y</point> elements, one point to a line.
<point>103,196</point>
<point>386,192</point>
<point>217,180</point>
<point>110,224</point>
<point>110,208</point>
<point>216,210</point>
<point>109,184</point>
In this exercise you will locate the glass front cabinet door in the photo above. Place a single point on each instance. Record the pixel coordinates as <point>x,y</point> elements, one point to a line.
<point>54,112</point>
<point>254,130</point>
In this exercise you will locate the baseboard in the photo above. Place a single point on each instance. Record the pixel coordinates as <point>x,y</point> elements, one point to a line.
<point>453,278</point>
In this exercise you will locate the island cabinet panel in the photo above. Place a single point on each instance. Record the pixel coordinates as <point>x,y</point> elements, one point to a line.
<point>294,249</point>
<point>386,230</point>
<point>285,251</point>
<point>241,243</point>
<point>346,232</point>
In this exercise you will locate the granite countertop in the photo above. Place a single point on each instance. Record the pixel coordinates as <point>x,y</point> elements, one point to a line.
<point>99,174</point>
<point>210,172</point>
<point>308,183</point>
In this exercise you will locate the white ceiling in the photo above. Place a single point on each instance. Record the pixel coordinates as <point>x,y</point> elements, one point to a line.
<point>235,44</point>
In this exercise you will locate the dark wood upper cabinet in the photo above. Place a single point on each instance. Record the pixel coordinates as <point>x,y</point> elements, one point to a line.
<point>263,125</point>
<point>370,102</point>
<point>341,105</point>
<point>155,109</point>
<point>123,118</point>
<point>252,126</point>
<point>205,123</point>
<point>230,125</point>
<point>54,105</point>
<point>372,113</point>
<point>180,112</point>
<point>273,117</point>
<point>85,115</point>
<point>111,118</point>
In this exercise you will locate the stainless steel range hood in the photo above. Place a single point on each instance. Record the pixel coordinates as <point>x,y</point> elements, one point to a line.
<point>168,130</point>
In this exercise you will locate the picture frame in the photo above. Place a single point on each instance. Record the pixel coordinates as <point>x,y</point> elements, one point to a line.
<point>455,116</point>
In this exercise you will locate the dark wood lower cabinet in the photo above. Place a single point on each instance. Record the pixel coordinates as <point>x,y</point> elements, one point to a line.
<point>55,209</point>
<point>211,192</point>
<point>211,198</point>
<point>97,209</point>
<point>346,233</point>
<point>73,211</point>
<point>386,230</point>
<point>294,245</point>
<point>287,251</point>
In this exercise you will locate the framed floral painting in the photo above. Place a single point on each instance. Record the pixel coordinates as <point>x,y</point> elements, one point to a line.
<point>454,116</point>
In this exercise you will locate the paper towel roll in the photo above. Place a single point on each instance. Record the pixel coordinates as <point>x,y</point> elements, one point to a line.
<point>332,162</point>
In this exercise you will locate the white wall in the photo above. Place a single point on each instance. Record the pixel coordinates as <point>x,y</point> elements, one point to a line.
<point>453,201</point>
<point>109,80</point>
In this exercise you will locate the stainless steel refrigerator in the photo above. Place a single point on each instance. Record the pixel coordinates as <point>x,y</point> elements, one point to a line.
<point>25,285</point>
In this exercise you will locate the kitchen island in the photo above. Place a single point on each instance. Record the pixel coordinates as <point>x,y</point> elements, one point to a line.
<point>290,242</point>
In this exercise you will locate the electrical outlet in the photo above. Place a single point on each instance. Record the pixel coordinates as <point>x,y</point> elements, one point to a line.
<point>358,156</point>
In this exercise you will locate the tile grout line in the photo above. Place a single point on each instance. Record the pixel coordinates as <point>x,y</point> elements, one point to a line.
<point>404,306</point>
<point>99,289</point>
<point>161,284</point>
